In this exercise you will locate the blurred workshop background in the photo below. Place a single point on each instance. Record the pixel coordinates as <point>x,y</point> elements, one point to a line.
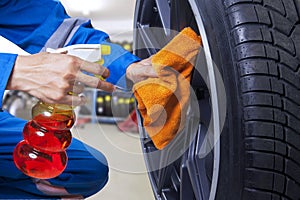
<point>114,17</point>
<point>107,121</point>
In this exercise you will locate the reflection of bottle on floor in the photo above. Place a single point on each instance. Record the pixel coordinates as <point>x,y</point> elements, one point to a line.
<point>130,123</point>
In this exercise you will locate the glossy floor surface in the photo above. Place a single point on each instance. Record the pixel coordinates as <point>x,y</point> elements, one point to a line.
<point>128,176</point>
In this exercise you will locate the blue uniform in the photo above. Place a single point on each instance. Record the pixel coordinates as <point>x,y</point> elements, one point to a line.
<point>35,25</point>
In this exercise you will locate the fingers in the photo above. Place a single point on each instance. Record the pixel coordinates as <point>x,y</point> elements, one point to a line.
<point>53,77</point>
<point>95,82</point>
<point>74,100</point>
<point>146,61</point>
<point>94,68</point>
<point>58,98</point>
<point>78,88</point>
<point>150,72</point>
<point>92,81</point>
<point>140,71</point>
<point>108,87</point>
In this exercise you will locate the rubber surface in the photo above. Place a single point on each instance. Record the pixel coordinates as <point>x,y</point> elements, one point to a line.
<point>266,40</point>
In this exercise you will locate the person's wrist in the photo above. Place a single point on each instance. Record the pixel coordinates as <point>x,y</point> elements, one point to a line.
<point>128,71</point>
<point>12,83</point>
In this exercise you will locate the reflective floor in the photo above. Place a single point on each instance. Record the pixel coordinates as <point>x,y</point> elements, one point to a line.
<point>128,177</point>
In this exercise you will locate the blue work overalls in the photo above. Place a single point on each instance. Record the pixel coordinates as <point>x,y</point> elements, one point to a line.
<point>35,25</point>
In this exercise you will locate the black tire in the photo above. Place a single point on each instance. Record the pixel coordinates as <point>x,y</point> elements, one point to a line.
<point>255,45</point>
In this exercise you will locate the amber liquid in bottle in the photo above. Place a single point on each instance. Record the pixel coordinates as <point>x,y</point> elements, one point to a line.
<point>46,137</point>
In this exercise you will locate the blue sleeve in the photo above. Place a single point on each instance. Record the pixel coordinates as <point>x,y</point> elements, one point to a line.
<point>30,23</point>
<point>117,62</point>
<point>7,62</point>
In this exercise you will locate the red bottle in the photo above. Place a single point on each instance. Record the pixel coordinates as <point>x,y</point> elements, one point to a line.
<point>42,152</point>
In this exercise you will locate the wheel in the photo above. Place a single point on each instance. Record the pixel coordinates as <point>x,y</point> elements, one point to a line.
<point>247,82</point>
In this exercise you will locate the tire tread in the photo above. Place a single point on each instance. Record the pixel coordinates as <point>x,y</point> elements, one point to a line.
<point>266,39</point>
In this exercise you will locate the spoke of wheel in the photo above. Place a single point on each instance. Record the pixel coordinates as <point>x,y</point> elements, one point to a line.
<point>201,162</point>
<point>148,38</point>
<point>164,12</point>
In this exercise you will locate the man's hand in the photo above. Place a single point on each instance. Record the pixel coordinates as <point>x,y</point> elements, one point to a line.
<point>51,77</point>
<point>140,71</point>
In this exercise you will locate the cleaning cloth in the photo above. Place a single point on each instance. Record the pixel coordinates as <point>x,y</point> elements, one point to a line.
<point>163,101</point>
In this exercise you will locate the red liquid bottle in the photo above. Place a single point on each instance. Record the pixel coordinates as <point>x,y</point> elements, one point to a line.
<point>42,152</point>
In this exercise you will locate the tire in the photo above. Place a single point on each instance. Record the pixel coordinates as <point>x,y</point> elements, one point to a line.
<point>255,45</point>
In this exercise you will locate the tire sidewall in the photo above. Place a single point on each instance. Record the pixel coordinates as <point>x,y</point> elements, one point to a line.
<point>230,182</point>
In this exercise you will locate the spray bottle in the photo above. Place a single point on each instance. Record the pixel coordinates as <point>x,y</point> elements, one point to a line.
<point>42,152</point>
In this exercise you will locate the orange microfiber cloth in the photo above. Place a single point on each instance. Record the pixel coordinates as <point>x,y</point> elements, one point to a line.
<point>163,101</point>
